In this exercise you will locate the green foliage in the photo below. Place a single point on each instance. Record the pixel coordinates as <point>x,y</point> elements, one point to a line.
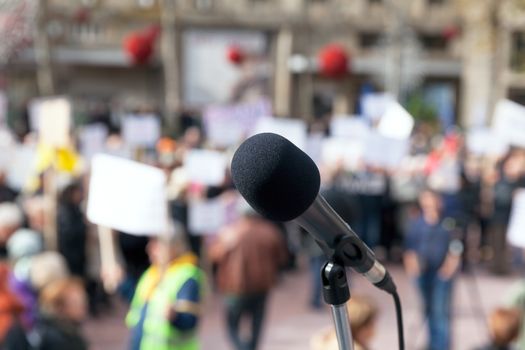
<point>421,110</point>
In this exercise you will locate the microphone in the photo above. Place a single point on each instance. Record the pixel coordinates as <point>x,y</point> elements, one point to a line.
<point>282,183</point>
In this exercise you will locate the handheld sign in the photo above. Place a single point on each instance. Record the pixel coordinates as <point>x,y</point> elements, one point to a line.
<point>127,196</point>
<point>516,229</point>
<point>51,117</point>
<point>205,167</point>
<point>293,129</point>
<point>509,122</point>
<point>396,123</point>
<point>141,130</point>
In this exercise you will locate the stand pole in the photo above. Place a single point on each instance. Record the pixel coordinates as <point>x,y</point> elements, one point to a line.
<point>336,293</point>
<point>342,327</point>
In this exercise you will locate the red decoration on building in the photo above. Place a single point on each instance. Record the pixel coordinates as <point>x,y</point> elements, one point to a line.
<point>450,32</point>
<point>333,61</point>
<point>235,55</point>
<point>139,45</point>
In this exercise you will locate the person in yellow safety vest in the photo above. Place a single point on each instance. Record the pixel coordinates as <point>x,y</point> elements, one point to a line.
<point>165,309</point>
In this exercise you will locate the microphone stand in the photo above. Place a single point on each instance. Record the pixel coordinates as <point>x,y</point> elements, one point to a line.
<point>336,293</point>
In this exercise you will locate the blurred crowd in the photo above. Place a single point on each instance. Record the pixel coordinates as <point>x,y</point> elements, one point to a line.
<point>441,210</point>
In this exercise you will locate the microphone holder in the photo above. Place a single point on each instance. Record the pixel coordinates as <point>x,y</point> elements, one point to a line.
<point>337,293</point>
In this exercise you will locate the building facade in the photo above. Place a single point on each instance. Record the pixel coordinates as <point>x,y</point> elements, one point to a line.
<point>469,53</point>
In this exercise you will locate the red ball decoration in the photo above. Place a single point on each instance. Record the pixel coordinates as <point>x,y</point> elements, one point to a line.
<point>139,45</point>
<point>235,55</point>
<point>333,61</point>
<point>450,32</point>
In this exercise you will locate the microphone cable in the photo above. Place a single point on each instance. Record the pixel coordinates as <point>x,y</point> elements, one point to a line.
<point>399,319</point>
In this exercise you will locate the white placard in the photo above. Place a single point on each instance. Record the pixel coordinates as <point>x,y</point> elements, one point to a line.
<point>127,196</point>
<point>141,130</point>
<point>21,167</point>
<point>93,140</point>
<point>348,151</point>
<point>314,147</point>
<point>206,217</point>
<point>374,105</point>
<point>228,125</point>
<point>51,117</point>
<point>516,228</point>
<point>396,123</point>
<point>293,129</point>
<point>509,122</point>
<point>446,177</point>
<point>385,151</point>
<point>351,127</point>
<point>484,141</point>
<point>205,167</point>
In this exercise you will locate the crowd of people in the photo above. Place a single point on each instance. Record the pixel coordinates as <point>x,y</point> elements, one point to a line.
<point>443,209</point>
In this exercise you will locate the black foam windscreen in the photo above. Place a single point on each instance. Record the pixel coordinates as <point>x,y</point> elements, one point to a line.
<point>275,177</point>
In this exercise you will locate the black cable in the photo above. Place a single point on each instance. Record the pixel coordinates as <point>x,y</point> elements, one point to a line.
<point>399,318</point>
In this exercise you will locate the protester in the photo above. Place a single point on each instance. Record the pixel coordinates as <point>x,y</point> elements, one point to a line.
<point>22,247</point>
<point>432,258</point>
<point>511,177</point>
<point>362,313</point>
<point>10,306</point>
<point>504,326</point>
<point>7,194</point>
<point>72,229</point>
<point>247,254</point>
<point>165,309</point>
<point>11,219</point>
<point>63,305</point>
<point>516,300</point>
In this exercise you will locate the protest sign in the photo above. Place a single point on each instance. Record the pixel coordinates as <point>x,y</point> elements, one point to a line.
<point>206,216</point>
<point>516,228</point>
<point>337,150</point>
<point>485,141</point>
<point>127,196</point>
<point>92,140</point>
<point>293,129</point>
<point>509,122</point>
<point>350,127</point>
<point>21,167</point>
<point>141,130</point>
<point>383,151</point>
<point>396,123</point>
<point>205,167</point>
<point>374,105</point>
<point>228,125</point>
<point>51,117</point>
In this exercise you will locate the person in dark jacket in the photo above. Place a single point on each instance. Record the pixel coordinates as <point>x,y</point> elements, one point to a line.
<point>72,230</point>
<point>63,307</point>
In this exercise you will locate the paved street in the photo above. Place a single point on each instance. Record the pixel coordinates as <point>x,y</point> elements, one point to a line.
<point>290,324</point>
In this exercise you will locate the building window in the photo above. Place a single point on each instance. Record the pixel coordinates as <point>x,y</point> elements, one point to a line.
<point>518,52</point>
<point>375,1</point>
<point>436,2</point>
<point>433,42</point>
<point>369,40</point>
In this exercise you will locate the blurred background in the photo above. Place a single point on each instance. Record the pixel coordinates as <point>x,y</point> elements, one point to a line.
<point>412,110</point>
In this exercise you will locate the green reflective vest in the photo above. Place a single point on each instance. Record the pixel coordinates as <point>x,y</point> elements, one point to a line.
<point>160,294</point>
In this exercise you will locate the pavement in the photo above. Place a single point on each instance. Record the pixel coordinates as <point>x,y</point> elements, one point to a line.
<point>290,323</point>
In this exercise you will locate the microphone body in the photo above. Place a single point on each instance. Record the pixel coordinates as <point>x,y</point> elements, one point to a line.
<point>338,240</point>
